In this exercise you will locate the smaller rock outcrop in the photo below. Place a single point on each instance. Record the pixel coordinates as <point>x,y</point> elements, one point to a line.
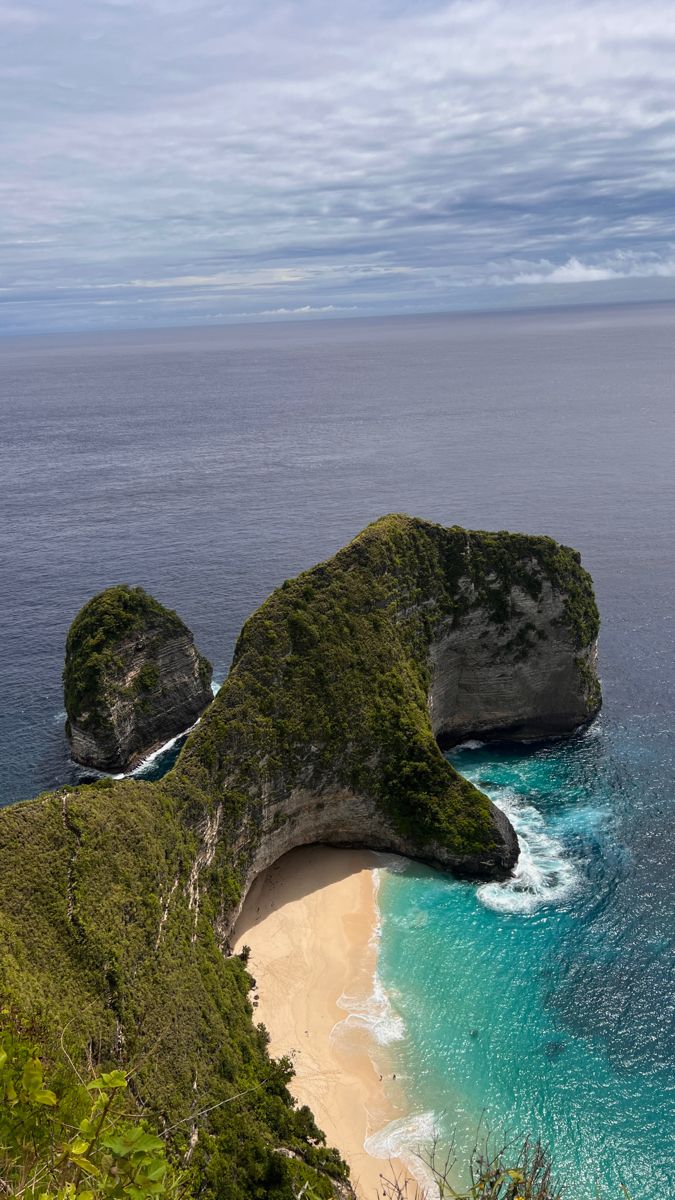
<point>133,678</point>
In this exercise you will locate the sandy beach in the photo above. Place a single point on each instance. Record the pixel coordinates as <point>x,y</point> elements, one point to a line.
<point>309,921</point>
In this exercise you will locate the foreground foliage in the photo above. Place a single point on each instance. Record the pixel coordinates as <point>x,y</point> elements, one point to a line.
<point>65,1135</point>
<point>62,1138</point>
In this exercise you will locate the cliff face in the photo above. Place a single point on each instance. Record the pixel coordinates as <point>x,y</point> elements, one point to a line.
<point>133,678</point>
<point>339,817</point>
<point>525,677</point>
<point>114,924</point>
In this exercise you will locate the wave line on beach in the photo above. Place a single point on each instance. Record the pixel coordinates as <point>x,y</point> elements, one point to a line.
<point>371,1012</point>
<point>405,1140</point>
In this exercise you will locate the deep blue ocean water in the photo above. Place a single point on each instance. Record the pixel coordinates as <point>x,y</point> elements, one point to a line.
<point>208,465</point>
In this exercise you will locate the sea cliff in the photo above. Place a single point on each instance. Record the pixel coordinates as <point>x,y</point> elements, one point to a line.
<point>133,678</point>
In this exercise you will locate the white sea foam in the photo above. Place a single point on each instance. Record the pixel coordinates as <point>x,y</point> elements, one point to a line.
<point>372,1014</point>
<point>147,761</point>
<point>151,758</point>
<point>543,874</point>
<point>472,744</point>
<point>376,934</point>
<point>406,1139</point>
<point>594,730</point>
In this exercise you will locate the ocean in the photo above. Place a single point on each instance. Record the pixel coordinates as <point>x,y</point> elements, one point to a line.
<point>210,464</point>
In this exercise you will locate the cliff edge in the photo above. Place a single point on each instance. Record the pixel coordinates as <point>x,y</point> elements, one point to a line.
<point>133,678</point>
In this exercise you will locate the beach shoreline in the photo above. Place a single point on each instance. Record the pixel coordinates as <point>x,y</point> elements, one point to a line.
<point>312,922</point>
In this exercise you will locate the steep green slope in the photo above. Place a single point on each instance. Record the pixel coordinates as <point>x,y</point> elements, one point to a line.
<point>117,899</point>
<point>89,943</point>
<point>329,691</point>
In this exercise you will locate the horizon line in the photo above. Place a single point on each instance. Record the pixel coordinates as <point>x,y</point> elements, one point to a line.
<point>308,318</point>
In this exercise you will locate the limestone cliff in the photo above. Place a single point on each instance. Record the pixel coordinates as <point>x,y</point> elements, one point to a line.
<point>343,681</point>
<point>530,674</point>
<point>115,925</point>
<point>133,678</point>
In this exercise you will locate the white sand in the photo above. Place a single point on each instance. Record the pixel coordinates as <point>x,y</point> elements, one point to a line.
<point>309,921</point>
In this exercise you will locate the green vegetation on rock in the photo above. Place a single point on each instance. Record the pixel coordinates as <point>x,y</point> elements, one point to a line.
<point>331,675</point>
<point>133,678</point>
<point>95,633</point>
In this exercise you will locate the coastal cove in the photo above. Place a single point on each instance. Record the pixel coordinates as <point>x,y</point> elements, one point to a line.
<point>452,965</point>
<point>567,957</point>
<point>545,1006</point>
<point>538,951</point>
<point>458,964</point>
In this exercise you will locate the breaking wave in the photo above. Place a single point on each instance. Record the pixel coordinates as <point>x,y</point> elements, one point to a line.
<point>543,873</point>
<point>406,1139</point>
<point>371,1014</point>
<point>151,759</point>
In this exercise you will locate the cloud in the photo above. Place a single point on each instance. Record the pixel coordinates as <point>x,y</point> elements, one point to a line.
<point>305,310</point>
<point>621,265</point>
<point>386,157</point>
<point>222,279</point>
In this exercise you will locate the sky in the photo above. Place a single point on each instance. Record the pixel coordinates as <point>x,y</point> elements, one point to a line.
<point>177,162</point>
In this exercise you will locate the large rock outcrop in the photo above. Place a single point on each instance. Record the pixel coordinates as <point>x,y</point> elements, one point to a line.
<point>133,679</point>
<point>344,681</point>
<point>117,898</point>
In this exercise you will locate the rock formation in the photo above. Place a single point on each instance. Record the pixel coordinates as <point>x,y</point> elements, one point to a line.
<point>133,678</point>
<point>114,925</point>
<point>532,674</point>
<point>345,678</point>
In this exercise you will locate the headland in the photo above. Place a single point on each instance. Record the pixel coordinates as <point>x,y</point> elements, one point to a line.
<point>118,899</point>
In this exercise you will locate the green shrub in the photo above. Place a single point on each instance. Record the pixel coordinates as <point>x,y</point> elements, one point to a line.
<point>69,1138</point>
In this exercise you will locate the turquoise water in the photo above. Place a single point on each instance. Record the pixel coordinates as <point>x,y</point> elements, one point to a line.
<point>545,1005</point>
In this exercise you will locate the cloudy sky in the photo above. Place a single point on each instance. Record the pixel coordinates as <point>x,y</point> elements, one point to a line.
<point>169,162</point>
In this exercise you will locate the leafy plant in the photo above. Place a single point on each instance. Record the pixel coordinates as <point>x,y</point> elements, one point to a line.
<point>82,1142</point>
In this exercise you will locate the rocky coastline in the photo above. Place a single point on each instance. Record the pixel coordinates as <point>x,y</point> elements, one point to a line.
<point>118,924</point>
